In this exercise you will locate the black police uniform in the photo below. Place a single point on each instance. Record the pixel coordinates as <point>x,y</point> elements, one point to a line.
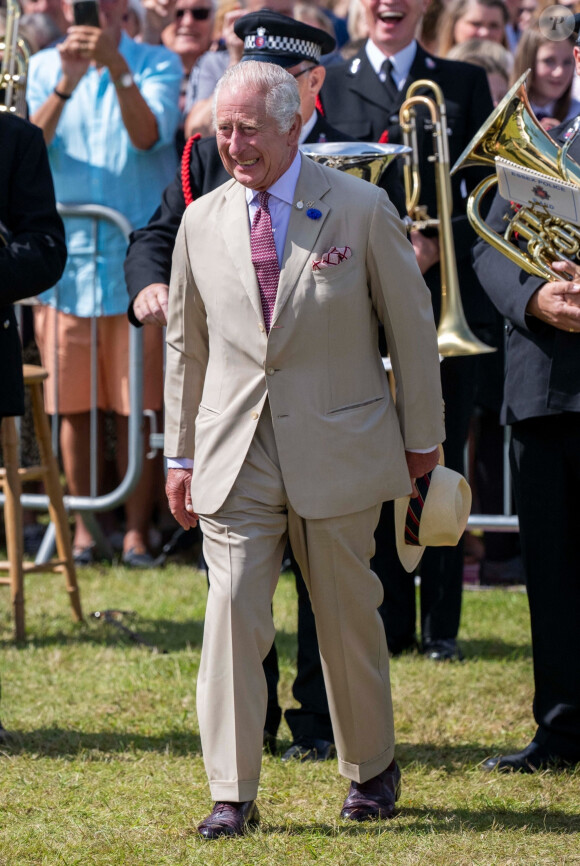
<point>32,246</point>
<point>354,97</point>
<point>542,404</point>
<point>32,242</point>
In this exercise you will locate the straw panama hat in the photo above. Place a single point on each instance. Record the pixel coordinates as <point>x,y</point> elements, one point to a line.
<point>443,517</point>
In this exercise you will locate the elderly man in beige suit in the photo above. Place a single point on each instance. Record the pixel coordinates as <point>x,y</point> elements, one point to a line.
<point>280,423</point>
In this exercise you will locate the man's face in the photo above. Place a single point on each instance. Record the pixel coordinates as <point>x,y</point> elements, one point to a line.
<point>192,32</point>
<point>252,148</point>
<point>309,79</point>
<point>393,23</point>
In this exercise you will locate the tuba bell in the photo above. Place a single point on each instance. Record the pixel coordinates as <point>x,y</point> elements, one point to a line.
<point>13,70</point>
<point>454,336</point>
<point>361,159</point>
<point>513,133</point>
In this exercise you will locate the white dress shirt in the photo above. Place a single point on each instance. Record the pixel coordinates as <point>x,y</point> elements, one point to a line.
<point>402,61</point>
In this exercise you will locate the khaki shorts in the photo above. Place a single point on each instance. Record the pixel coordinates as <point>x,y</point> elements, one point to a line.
<point>64,342</point>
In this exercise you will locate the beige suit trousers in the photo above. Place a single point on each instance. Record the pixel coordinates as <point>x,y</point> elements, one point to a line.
<point>243,547</point>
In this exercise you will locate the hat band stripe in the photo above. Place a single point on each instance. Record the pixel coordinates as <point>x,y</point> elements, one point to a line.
<point>415,509</point>
<point>284,45</point>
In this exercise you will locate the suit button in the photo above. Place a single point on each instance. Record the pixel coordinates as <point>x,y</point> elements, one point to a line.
<point>255,416</point>
<point>7,323</point>
<point>261,327</point>
<point>270,371</point>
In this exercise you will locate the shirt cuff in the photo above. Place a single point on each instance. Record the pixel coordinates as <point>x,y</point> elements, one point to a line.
<point>411,450</point>
<point>179,463</point>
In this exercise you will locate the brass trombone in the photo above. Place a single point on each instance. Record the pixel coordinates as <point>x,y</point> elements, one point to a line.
<point>454,336</point>
<point>14,68</point>
<point>513,132</point>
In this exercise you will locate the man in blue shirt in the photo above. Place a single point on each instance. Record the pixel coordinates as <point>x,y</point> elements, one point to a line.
<point>108,108</point>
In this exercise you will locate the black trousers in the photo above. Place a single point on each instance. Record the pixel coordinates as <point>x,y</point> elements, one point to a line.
<point>545,462</point>
<point>441,569</point>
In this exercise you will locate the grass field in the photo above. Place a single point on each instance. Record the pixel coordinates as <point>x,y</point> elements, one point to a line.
<point>105,766</point>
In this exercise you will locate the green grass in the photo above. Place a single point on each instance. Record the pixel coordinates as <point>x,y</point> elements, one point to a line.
<point>105,764</point>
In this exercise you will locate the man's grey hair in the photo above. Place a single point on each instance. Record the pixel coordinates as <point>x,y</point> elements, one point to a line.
<point>282,100</point>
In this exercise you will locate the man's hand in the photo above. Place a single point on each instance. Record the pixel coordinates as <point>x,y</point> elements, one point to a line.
<point>426,250</point>
<point>178,490</point>
<point>234,44</point>
<point>419,464</point>
<point>73,59</point>
<point>558,303</point>
<point>150,305</point>
<point>159,14</point>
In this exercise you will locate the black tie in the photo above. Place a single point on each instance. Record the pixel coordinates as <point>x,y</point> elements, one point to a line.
<point>389,82</point>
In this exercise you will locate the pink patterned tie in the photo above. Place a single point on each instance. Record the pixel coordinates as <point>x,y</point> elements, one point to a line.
<point>264,257</point>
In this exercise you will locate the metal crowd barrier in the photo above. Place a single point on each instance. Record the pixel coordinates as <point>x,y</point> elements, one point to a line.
<point>94,503</point>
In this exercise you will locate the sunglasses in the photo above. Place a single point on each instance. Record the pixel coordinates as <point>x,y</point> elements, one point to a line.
<point>196,14</point>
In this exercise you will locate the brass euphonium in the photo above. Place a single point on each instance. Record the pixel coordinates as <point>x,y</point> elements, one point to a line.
<point>14,68</point>
<point>513,132</point>
<point>454,337</point>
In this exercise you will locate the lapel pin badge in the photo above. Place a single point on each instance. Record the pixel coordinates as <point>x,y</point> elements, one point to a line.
<point>299,205</point>
<point>313,213</point>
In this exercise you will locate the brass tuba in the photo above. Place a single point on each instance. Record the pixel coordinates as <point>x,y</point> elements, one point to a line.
<point>15,56</point>
<point>363,160</point>
<point>513,132</point>
<point>454,337</point>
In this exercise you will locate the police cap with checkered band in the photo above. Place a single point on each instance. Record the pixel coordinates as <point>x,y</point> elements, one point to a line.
<point>274,38</point>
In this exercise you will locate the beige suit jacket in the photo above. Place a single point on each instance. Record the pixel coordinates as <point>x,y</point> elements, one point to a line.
<point>340,439</point>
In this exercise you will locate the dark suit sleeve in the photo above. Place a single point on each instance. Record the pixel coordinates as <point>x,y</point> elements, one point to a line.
<point>34,256</point>
<point>507,285</point>
<point>479,107</point>
<point>148,258</point>
<point>392,184</point>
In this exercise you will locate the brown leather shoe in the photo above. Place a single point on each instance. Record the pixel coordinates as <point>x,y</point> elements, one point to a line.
<point>229,819</point>
<point>375,798</point>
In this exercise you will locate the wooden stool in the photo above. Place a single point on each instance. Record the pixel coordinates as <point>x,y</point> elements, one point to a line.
<point>11,478</point>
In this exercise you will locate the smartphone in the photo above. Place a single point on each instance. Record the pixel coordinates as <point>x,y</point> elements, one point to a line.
<point>86,12</point>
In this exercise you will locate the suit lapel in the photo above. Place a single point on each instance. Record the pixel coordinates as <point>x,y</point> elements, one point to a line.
<point>235,228</point>
<point>365,82</point>
<point>423,66</point>
<point>302,230</point>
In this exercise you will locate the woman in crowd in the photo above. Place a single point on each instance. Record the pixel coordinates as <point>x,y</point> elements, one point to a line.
<point>549,84</point>
<point>472,19</point>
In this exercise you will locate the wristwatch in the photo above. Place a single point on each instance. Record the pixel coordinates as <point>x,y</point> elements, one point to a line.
<point>125,81</point>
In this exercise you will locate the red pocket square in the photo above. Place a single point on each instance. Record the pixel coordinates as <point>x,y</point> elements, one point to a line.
<point>334,256</point>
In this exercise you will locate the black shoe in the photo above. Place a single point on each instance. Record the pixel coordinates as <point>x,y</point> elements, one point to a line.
<point>135,559</point>
<point>442,650</point>
<point>305,749</point>
<point>84,555</point>
<point>402,647</point>
<point>530,760</point>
